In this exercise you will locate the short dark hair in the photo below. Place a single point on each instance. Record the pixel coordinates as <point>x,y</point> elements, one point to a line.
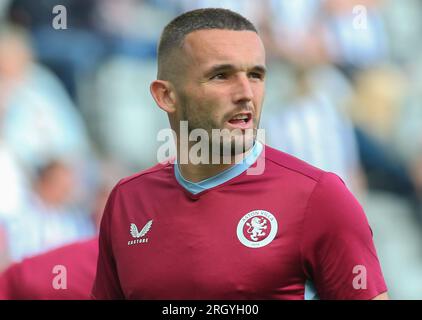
<point>175,32</point>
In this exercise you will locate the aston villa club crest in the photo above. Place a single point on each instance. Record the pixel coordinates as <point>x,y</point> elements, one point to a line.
<point>257,228</point>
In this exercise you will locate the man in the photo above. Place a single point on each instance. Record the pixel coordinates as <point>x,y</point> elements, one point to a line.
<point>49,217</point>
<point>64,273</point>
<point>195,230</point>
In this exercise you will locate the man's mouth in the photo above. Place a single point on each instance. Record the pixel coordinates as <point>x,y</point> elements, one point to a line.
<point>241,120</point>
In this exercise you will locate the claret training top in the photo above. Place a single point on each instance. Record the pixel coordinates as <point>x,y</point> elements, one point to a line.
<point>236,235</point>
<point>64,273</point>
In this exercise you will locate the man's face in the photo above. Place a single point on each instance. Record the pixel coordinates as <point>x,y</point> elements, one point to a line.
<point>222,86</point>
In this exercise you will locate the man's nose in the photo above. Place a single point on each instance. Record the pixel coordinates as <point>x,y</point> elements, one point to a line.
<point>243,89</point>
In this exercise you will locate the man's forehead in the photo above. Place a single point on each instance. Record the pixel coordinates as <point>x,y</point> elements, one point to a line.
<point>224,45</point>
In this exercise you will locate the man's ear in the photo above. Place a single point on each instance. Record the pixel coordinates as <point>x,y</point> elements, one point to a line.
<point>164,95</point>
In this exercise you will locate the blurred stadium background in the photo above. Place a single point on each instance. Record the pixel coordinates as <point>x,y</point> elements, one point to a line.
<point>344,92</point>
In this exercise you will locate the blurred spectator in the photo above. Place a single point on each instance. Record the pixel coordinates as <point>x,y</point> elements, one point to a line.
<point>408,118</point>
<point>34,15</point>
<point>79,258</point>
<point>39,120</point>
<point>13,180</point>
<point>404,26</point>
<point>355,34</point>
<point>376,108</point>
<point>384,169</point>
<point>13,184</point>
<point>377,102</point>
<point>136,35</point>
<point>64,51</point>
<point>50,217</point>
<point>409,132</point>
<point>12,189</point>
<point>311,128</point>
<point>292,30</point>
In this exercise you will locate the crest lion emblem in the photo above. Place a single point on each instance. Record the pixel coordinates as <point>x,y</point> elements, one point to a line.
<point>257,228</point>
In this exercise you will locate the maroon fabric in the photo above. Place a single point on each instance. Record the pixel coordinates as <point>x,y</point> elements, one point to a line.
<point>192,250</point>
<point>39,278</point>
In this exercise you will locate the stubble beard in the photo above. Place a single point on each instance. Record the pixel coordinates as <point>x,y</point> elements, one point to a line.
<point>228,143</point>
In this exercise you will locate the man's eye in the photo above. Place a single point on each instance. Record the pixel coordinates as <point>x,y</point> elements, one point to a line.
<point>219,76</point>
<point>256,75</point>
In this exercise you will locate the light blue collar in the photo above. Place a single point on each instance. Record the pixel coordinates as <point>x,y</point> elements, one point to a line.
<point>222,177</point>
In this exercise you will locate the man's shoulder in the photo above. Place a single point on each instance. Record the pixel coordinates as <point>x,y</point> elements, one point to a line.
<point>77,253</point>
<point>162,168</point>
<point>295,166</point>
<point>78,258</point>
<point>68,252</point>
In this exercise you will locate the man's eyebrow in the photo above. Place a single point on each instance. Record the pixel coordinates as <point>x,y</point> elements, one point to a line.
<point>260,69</point>
<point>229,67</point>
<point>219,68</point>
